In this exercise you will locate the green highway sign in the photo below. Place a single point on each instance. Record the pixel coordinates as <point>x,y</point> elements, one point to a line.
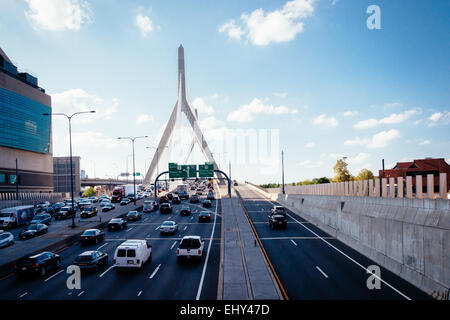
<point>182,171</point>
<point>206,170</point>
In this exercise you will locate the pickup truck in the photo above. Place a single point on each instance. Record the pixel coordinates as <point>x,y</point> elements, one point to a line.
<point>190,247</point>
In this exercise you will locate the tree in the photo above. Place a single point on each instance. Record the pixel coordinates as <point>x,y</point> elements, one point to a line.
<point>342,173</point>
<point>306,182</point>
<point>365,174</point>
<point>89,192</point>
<point>323,180</point>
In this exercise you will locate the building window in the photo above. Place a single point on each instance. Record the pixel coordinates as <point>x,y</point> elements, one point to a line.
<point>2,178</point>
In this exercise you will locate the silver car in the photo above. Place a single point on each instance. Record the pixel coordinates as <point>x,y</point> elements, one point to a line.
<point>6,239</point>
<point>168,227</point>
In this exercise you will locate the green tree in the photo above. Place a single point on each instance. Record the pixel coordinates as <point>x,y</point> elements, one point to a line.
<point>323,180</point>
<point>341,171</point>
<point>306,182</point>
<point>365,174</point>
<point>89,192</point>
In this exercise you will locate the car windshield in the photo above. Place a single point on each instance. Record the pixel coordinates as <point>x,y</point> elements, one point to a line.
<point>89,233</point>
<point>190,243</point>
<point>168,223</point>
<point>32,227</point>
<point>4,214</point>
<point>204,213</point>
<point>38,216</point>
<point>84,258</point>
<point>115,221</point>
<point>279,218</point>
<point>65,209</point>
<point>132,213</point>
<point>3,236</point>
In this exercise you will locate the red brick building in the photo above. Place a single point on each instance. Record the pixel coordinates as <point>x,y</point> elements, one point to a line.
<point>421,167</point>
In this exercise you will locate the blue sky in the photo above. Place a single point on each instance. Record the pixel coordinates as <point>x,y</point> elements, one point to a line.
<point>310,69</point>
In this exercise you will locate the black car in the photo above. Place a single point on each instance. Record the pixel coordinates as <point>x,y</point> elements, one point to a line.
<point>277,221</point>
<point>163,199</point>
<point>165,208</point>
<point>33,230</point>
<point>108,207</point>
<point>57,206</point>
<point>89,212</point>
<point>170,196</point>
<point>176,200</point>
<point>204,216</point>
<point>194,199</point>
<point>92,236</point>
<point>64,213</point>
<point>207,204</point>
<point>37,264</point>
<point>50,210</point>
<point>133,215</point>
<point>91,260</point>
<point>125,201</point>
<point>117,224</point>
<point>185,211</point>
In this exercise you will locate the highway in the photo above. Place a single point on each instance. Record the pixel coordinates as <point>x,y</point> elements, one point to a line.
<point>313,265</point>
<point>161,278</point>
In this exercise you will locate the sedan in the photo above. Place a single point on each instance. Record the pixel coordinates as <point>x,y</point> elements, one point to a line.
<point>133,215</point>
<point>176,200</point>
<point>104,202</point>
<point>194,199</point>
<point>108,207</point>
<point>39,263</point>
<point>207,204</point>
<point>33,230</point>
<point>65,212</point>
<point>89,212</point>
<point>92,236</point>
<point>117,224</point>
<point>125,201</point>
<point>185,211</point>
<point>170,196</point>
<point>204,216</point>
<point>43,218</point>
<point>6,239</point>
<point>168,227</point>
<point>91,260</point>
<point>165,208</point>
<point>93,199</point>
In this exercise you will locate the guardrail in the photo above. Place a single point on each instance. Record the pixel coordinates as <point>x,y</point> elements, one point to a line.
<point>8,200</point>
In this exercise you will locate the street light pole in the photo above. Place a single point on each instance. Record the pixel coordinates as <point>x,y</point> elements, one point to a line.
<point>282,170</point>
<point>71,162</point>
<point>134,173</point>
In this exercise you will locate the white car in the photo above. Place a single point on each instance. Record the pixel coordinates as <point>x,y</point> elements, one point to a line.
<point>168,227</point>
<point>190,247</point>
<point>132,254</point>
<point>6,239</point>
<point>104,202</point>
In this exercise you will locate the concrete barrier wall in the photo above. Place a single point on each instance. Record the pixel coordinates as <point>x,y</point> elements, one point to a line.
<point>410,237</point>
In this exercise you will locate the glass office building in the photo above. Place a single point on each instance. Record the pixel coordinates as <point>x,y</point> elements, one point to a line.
<point>25,133</point>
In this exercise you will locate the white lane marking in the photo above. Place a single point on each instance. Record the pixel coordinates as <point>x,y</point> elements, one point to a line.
<point>157,228</point>
<point>351,259</point>
<point>106,271</point>
<point>173,245</point>
<point>54,275</point>
<point>70,293</point>
<point>154,272</point>
<point>102,246</point>
<point>23,295</point>
<point>80,293</point>
<point>323,273</point>
<point>200,286</point>
<point>169,218</point>
<point>185,228</point>
<point>130,229</point>
<point>192,217</point>
<point>294,238</point>
<point>139,294</point>
<point>294,242</point>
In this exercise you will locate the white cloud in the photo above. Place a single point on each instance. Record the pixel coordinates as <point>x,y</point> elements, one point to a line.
<point>303,163</point>
<point>80,139</point>
<point>323,120</point>
<point>436,116</point>
<point>261,28</point>
<point>333,3</point>
<point>379,140</point>
<point>144,118</point>
<point>391,119</point>
<point>425,142</point>
<point>358,159</point>
<point>439,118</point>
<point>350,113</point>
<point>201,106</point>
<point>144,23</point>
<point>310,145</point>
<point>280,94</point>
<point>246,112</point>
<point>76,100</point>
<point>57,15</point>
<point>393,105</point>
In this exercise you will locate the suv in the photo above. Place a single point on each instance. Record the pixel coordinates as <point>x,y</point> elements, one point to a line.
<point>176,200</point>
<point>165,208</point>
<point>277,221</point>
<point>194,199</point>
<point>64,213</point>
<point>278,210</point>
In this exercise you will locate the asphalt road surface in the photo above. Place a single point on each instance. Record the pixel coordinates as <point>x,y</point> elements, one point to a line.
<point>313,265</point>
<point>161,278</point>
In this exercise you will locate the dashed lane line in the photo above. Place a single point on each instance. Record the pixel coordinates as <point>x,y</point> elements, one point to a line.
<point>323,273</point>
<point>54,275</point>
<point>106,271</point>
<point>154,272</point>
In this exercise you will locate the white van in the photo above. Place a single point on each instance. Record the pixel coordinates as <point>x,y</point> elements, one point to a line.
<point>132,254</point>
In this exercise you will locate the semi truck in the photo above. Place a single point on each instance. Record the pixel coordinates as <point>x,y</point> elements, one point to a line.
<point>182,191</point>
<point>121,192</point>
<point>16,216</point>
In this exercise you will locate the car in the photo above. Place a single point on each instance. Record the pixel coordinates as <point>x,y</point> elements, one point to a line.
<point>168,227</point>
<point>37,210</point>
<point>165,208</point>
<point>163,199</point>
<point>92,236</point>
<point>33,230</point>
<point>194,199</point>
<point>185,211</point>
<point>43,204</point>
<point>108,207</point>
<point>199,192</point>
<point>64,213</point>
<point>176,200</point>
<point>44,218</point>
<point>140,196</point>
<point>50,210</point>
<point>93,199</point>
<point>37,264</point>
<point>210,196</point>
<point>89,211</point>
<point>125,201</point>
<point>117,224</point>
<point>235,184</point>
<point>83,203</point>
<point>68,203</point>
<point>149,206</point>
<point>57,206</point>
<point>278,210</point>
<point>204,216</point>
<point>170,196</point>
<point>133,215</point>
<point>277,221</point>
<point>91,260</point>
<point>131,197</point>
<point>6,239</point>
<point>206,203</point>
<point>190,247</point>
<point>104,202</point>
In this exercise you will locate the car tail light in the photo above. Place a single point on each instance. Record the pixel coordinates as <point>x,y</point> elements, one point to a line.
<point>199,251</point>
<point>178,251</point>
<point>15,266</point>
